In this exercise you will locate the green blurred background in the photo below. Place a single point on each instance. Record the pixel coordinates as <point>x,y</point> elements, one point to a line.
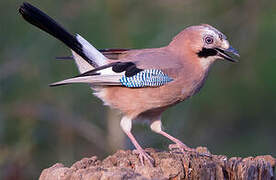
<point>234,114</point>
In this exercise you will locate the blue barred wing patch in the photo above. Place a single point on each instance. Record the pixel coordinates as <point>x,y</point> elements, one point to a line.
<point>149,77</point>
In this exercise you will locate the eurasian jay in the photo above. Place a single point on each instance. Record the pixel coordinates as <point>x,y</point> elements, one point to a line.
<point>141,83</point>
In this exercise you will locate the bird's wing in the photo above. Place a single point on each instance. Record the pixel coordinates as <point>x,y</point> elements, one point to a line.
<point>154,58</point>
<point>145,68</point>
<point>112,54</point>
<point>115,54</point>
<point>120,74</point>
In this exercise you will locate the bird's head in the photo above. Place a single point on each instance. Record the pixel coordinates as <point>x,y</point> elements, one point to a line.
<point>205,43</point>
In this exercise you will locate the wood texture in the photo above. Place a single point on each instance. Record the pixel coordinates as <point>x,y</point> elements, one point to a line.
<point>168,165</point>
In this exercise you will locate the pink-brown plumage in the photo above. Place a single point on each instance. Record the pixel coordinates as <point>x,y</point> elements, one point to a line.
<point>187,73</point>
<point>183,64</point>
<point>133,101</point>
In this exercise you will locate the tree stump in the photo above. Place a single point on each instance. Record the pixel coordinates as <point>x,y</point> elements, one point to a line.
<point>173,164</point>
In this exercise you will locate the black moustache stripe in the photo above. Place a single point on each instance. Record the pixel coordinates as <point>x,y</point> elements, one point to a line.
<point>206,53</point>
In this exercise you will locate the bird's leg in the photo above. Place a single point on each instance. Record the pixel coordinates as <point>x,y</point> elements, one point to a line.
<point>126,124</point>
<point>142,154</point>
<point>181,145</point>
<point>156,126</point>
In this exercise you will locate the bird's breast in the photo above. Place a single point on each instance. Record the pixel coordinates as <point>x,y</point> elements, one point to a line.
<point>191,84</point>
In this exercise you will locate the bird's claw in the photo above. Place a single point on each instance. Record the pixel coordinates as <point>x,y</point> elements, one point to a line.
<point>182,147</point>
<point>143,156</point>
<point>185,149</point>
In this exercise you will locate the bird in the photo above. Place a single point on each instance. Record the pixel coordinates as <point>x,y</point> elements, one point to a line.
<point>141,83</point>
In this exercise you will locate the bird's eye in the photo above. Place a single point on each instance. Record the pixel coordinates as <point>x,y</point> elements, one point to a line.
<point>209,39</point>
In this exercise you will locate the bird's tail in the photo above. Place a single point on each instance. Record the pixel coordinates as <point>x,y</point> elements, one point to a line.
<point>86,56</point>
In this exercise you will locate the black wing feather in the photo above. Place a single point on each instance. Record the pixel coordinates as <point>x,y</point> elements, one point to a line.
<point>118,67</point>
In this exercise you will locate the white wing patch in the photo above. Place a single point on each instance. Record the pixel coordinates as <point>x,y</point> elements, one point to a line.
<point>109,71</point>
<point>93,80</point>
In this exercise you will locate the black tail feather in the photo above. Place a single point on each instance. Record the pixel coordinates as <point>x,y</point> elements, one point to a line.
<point>41,20</point>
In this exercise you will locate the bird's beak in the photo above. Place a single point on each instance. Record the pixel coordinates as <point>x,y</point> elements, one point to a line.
<point>223,53</point>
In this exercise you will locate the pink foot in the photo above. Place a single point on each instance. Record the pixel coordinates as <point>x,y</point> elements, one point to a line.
<point>185,149</point>
<point>143,156</point>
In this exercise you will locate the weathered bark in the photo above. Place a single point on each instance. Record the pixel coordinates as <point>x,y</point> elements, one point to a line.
<point>168,165</point>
